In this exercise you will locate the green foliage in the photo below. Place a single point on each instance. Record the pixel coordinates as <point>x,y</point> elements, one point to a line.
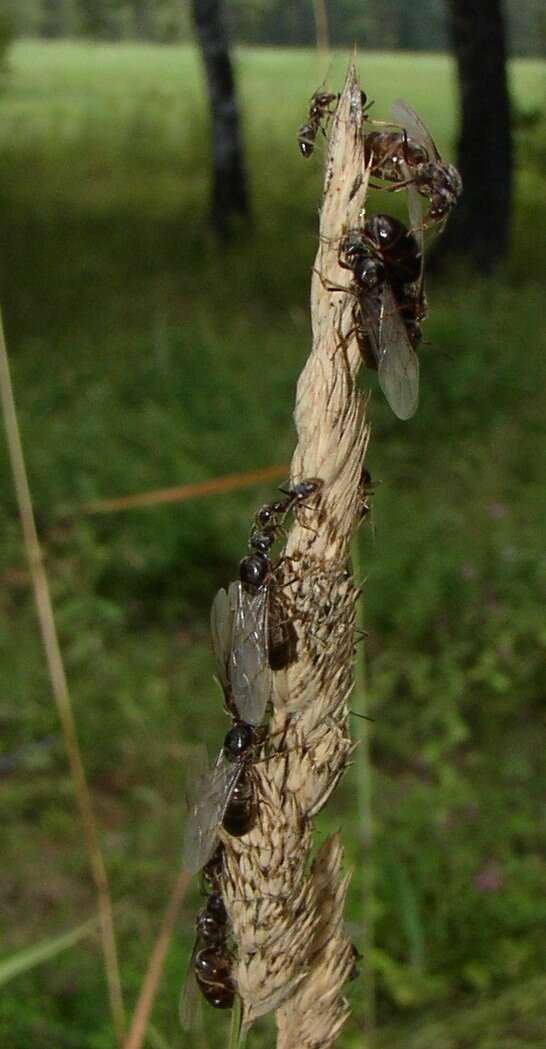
<point>23,961</point>
<point>404,25</point>
<point>144,356</point>
<point>7,35</point>
<point>508,1020</point>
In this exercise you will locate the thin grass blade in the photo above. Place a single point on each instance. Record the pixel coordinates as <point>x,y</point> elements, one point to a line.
<point>30,957</point>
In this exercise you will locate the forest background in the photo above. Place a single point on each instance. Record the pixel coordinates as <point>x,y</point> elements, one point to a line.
<point>378,24</point>
<point>145,355</point>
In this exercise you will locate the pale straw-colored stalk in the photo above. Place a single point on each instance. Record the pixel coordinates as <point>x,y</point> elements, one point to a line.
<point>365,820</point>
<point>286,910</point>
<point>182,492</point>
<point>322,29</point>
<point>139,1027</point>
<point>61,693</point>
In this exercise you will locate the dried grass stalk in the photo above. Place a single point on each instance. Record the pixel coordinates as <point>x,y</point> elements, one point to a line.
<point>61,694</point>
<point>287,917</point>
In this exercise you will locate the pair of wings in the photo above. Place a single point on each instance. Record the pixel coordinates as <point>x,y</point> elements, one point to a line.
<point>240,638</point>
<point>189,994</point>
<point>239,626</point>
<point>208,791</point>
<point>396,359</point>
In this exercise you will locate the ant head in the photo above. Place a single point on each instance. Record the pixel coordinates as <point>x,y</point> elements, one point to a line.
<point>261,542</point>
<point>304,489</point>
<point>352,245</point>
<point>253,571</point>
<point>454,179</point>
<point>239,739</point>
<point>321,99</point>
<point>369,273</point>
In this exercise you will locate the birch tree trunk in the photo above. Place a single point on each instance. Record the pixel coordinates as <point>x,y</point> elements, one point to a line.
<point>229,182</point>
<point>480,228</point>
<point>52,21</point>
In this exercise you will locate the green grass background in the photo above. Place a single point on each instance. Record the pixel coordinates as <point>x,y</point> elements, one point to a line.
<point>145,355</point>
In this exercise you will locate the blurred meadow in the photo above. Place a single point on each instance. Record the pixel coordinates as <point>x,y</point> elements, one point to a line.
<point>144,355</point>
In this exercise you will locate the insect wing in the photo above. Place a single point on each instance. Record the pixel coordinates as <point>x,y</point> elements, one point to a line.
<point>189,995</point>
<point>415,210</point>
<point>221,626</point>
<point>208,792</point>
<point>398,367</point>
<point>249,673</point>
<point>369,309</point>
<point>409,119</point>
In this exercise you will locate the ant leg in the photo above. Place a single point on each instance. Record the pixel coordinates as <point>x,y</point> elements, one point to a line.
<point>399,185</point>
<point>342,347</point>
<point>278,564</point>
<point>333,287</point>
<point>279,748</point>
<point>382,123</point>
<point>329,114</point>
<point>302,524</point>
<point>366,106</point>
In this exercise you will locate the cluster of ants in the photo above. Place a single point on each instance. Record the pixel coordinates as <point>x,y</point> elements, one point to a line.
<point>252,633</point>
<point>252,637</point>
<point>385,258</point>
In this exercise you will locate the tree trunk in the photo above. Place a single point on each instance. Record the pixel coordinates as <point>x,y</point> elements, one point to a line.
<point>142,19</point>
<point>94,18</point>
<point>229,185</point>
<point>480,227</point>
<point>52,19</point>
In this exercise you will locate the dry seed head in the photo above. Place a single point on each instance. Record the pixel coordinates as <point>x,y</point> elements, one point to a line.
<point>293,953</point>
<point>316,1013</point>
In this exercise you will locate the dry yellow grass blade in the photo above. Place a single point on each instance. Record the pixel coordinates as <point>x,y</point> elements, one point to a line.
<point>60,691</point>
<point>181,492</point>
<point>137,1031</point>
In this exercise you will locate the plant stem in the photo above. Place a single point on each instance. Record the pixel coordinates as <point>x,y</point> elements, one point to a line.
<point>237,1035</point>
<point>60,691</point>
<point>181,492</point>
<point>139,1023</point>
<point>322,33</point>
<point>365,812</point>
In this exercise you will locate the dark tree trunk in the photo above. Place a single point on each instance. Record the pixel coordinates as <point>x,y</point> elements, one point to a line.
<point>142,19</point>
<point>229,186</point>
<point>52,18</point>
<point>94,18</point>
<point>480,226</point>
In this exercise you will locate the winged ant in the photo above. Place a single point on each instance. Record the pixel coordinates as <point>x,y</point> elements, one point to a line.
<point>209,968</point>
<point>241,632</point>
<point>409,158</point>
<point>386,261</point>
